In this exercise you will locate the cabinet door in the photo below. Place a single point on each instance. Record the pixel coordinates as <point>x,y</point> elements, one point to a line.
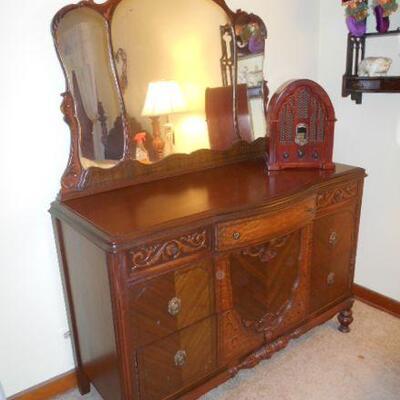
<point>332,257</point>
<point>262,292</point>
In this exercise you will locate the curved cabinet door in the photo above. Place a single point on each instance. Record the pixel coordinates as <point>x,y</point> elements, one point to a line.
<point>262,292</point>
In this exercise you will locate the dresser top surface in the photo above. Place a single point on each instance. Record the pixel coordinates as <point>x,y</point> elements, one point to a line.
<point>141,208</point>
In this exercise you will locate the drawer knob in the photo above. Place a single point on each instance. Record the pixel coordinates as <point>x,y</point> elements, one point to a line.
<point>236,235</point>
<point>333,238</point>
<point>174,306</point>
<point>331,279</point>
<point>180,358</point>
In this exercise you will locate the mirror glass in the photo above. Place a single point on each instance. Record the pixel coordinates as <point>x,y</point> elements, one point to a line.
<point>251,35</point>
<point>83,46</point>
<point>171,54</point>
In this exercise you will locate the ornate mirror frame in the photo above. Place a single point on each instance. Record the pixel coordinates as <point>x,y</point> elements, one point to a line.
<point>78,181</point>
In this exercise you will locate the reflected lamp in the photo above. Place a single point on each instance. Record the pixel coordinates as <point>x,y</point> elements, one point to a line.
<point>163,98</point>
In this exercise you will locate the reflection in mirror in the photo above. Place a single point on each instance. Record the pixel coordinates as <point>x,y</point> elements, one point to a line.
<point>173,52</point>
<point>83,45</point>
<point>250,37</point>
<point>265,279</point>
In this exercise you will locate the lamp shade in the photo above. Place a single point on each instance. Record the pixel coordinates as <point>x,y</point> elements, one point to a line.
<point>163,97</point>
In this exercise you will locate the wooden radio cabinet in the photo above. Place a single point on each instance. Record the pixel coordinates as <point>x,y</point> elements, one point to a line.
<point>209,273</point>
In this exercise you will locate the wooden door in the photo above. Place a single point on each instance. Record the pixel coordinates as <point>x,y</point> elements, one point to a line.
<point>333,257</point>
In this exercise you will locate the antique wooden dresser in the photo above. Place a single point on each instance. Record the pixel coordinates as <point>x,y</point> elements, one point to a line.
<point>184,265</point>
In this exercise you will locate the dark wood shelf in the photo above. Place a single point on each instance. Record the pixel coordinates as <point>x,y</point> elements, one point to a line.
<point>356,85</point>
<point>389,33</point>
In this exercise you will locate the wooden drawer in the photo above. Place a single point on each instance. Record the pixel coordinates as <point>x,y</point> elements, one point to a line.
<point>172,301</point>
<point>173,363</point>
<point>246,231</point>
<point>332,257</point>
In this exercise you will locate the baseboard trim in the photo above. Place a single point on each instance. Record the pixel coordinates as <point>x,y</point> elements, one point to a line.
<point>46,390</point>
<point>377,300</point>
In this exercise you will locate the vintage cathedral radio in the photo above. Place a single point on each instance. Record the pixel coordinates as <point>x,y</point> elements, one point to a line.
<point>301,122</point>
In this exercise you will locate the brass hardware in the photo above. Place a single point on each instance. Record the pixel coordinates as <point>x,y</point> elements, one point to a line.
<point>236,236</point>
<point>174,306</point>
<point>180,358</point>
<point>331,279</point>
<point>333,238</point>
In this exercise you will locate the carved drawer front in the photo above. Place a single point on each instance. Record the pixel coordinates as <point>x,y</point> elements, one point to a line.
<point>337,195</point>
<point>170,302</point>
<point>238,233</point>
<point>171,364</point>
<point>332,258</point>
<point>168,250</point>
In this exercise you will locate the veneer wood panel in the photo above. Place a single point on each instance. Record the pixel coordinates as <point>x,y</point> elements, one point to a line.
<point>168,366</point>
<point>171,302</point>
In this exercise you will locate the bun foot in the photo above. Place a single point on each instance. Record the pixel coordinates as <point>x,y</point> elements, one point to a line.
<point>345,319</point>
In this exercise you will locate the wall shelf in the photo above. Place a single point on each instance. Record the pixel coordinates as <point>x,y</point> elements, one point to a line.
<point>354,85</point>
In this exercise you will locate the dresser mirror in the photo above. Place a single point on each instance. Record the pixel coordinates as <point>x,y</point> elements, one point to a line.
<point>147,80</point>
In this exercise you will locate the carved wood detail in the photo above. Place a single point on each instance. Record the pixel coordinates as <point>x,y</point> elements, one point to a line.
<point>74,177</point>
<point>170,250</point>
<point>266,252</point>
<point>234,339</point>
<point>266,352</point>
<point>338,195</point>
<point>130,171</point>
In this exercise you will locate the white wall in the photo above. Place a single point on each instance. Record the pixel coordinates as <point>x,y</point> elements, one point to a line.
<point>34,144</point>
<point>367,135</point>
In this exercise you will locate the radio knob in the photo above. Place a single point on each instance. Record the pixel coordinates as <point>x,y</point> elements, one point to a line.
<point>315,155</point>
<point>286,156</point>
<point>300,153</point>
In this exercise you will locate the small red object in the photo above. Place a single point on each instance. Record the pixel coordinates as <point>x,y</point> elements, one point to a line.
<point>301,123</point>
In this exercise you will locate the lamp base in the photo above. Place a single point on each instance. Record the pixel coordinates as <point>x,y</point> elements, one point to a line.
<point>158,141</point>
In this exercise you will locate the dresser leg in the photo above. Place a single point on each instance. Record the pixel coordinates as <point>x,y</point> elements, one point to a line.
<point>83,382</point>
<point>345,319</point>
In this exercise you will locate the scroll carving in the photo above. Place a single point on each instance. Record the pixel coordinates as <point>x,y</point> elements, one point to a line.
<point>266,352</point>
<point>271,321</point>
<point>337,195</point>
<point>158,253</point>
<point>266,252</point>
<point>74,175</point>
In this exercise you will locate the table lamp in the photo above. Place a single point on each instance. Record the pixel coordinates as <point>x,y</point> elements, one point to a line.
<point>163,98</point>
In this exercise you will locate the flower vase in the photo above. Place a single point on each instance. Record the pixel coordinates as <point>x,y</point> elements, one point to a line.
<point>356,28</point>
<point>382,22</point>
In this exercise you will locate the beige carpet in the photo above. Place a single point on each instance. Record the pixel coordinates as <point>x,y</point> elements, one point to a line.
<point>323,365</point>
